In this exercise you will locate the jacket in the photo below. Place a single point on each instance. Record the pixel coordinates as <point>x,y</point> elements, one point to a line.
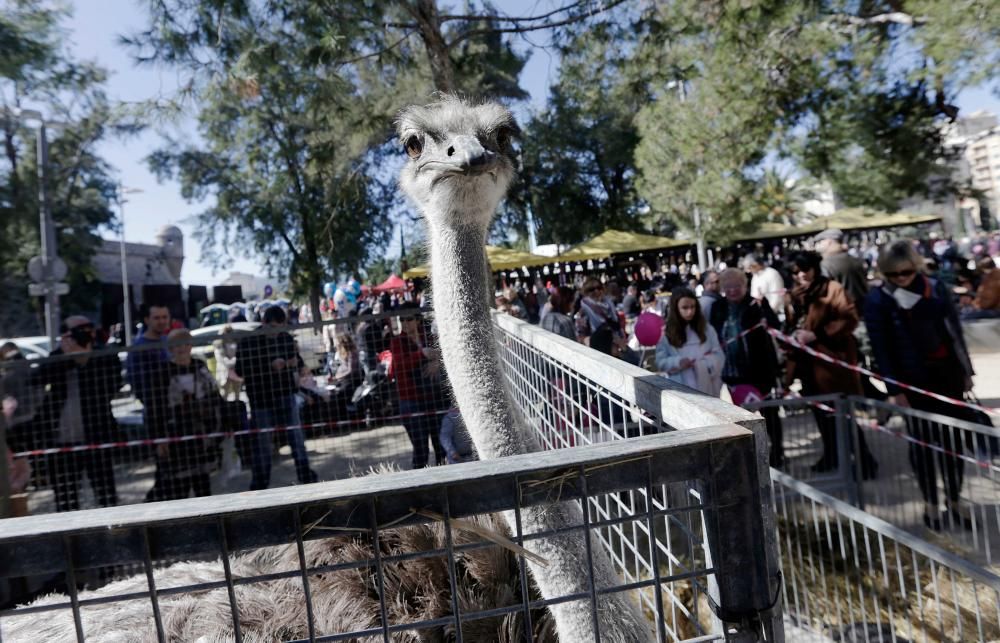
<point>833,317</point>
<point>759,365</point>
<point>100,379</point>
<point>897,353</point>
<point>266,387</point>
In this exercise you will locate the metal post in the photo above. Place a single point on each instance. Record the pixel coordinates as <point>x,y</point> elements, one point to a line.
<point>700,240</point>
<point>48,236</point>
<point>126,303</point>
<point>5,491</point>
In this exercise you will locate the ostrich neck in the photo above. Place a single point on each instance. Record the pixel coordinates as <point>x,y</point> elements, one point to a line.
<point>460,279</point>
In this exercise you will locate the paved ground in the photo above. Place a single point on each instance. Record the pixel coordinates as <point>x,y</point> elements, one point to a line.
<point>331,457</point>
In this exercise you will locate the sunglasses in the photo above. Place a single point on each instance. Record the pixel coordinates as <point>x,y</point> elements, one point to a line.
<point>900,273</point>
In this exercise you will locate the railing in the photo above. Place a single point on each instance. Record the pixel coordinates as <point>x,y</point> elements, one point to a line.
<point>850,576</point>
<point>938,475</point>
<point>397,554</point>
<point>572,396</point>
<point>194,435</point>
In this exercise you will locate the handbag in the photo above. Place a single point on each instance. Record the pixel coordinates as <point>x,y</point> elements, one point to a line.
<point>985,444</point>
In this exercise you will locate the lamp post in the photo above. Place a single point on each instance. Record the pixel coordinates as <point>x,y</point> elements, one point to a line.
<point>47,270</point>
<point>126,302</point>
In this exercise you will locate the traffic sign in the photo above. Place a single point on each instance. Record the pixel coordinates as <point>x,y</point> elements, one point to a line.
<point>36,269</point>
<point>39,290</point>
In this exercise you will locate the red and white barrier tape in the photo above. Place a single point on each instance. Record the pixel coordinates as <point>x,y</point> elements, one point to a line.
<point>207,436</point>
<point>874,425</point>
<point>889,380</point>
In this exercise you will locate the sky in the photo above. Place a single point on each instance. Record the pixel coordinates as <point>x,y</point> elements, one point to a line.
<point>94,30</point>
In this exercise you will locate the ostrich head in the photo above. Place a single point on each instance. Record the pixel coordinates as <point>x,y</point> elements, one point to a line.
<point>461,160</point>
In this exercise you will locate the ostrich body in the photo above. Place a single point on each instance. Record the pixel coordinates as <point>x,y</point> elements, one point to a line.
<point>460,166</point>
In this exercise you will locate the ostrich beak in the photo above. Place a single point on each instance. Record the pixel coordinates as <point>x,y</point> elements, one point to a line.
<point>464,155</point>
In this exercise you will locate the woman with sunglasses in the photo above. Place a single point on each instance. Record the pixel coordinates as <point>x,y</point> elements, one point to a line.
<point>916,338</point>
<point>822,316</point>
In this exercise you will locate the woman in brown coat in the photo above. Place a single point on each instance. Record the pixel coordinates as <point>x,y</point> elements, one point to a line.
<point>822,316</point>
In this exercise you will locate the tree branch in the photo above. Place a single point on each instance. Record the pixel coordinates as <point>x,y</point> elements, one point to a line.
<point>547,25</point>
<point>502,18</point>
<point>892,17</point>
<point>378,53</point>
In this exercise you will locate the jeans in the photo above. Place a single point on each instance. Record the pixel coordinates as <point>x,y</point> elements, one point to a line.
<point>260,459</point>
<point>420,429</point>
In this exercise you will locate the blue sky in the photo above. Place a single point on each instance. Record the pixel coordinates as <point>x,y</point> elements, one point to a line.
<point>94,30</point>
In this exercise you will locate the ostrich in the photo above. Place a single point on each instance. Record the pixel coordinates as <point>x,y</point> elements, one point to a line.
<point>460,166</point>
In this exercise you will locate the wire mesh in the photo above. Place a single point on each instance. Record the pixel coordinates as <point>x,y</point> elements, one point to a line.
<point>851,576</point>
<point>403,555</point>
<point>227,409</point>
<point>938,475</point>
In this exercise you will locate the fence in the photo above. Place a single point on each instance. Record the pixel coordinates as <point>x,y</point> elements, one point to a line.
<point>573,397</point>
<point>396,555</point>
<point>933,475</point>
<point>257,407</point>
<point>850,576</point>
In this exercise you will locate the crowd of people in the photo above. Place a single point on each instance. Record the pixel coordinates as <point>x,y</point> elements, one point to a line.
<point>897,308</point>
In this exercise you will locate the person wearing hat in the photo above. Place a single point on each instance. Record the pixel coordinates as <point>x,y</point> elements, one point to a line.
<point>846,270</point>
<point>76,411</point>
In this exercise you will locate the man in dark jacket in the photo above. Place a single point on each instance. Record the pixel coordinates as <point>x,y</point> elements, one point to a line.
<point>77,411</point>
<point>750,359</point>
<point>269,364</point>
<point>848,271</point>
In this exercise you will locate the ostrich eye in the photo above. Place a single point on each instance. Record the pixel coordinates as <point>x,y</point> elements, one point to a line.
<point>503,137</point>
<point>414,147</point>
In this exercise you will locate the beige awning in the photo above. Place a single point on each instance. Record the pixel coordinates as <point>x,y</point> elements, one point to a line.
<point>499,258</point>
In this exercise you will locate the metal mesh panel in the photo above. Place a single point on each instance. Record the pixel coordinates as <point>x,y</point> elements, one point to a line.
<point>938,475</point>
<point>256,407</point>
<point>388,556</point>
<point>850,576</point>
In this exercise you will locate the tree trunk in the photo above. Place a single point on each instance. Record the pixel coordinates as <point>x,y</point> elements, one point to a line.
<point>426,14</point>
<point>312,268</point>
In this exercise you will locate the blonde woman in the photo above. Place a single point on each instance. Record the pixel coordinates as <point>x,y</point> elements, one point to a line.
<point>916,338</point>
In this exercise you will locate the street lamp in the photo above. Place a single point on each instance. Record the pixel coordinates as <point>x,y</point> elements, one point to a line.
<point>48,268</point>
<point>126,302</point>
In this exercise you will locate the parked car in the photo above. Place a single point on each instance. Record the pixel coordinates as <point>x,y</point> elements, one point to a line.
<point>35,347</point>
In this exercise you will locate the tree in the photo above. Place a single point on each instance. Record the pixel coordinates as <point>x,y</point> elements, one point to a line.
<point>37,72</point>
<point>853,93</point>
<point>296,101</point>
<point>578,177</point>
<point>290,148</point>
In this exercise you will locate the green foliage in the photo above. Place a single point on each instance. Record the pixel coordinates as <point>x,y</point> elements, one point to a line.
<point>578,177</point>
<point>854,93</point>
<point>290,146</point>
<point>295,103</point>
<point>36,72</point>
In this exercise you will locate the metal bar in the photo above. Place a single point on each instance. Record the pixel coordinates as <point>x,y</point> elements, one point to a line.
<point>151,582</point>
<point>300,547</point>
<point>230,589</point>
<point>869,521</point>
<point>379,576</point>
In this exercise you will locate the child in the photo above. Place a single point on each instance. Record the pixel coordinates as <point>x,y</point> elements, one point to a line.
<point>689,351</point>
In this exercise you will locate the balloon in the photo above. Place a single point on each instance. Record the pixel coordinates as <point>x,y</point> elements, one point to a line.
<point>649,328</point>
<point>328,289</point>
<point>745,394</point>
